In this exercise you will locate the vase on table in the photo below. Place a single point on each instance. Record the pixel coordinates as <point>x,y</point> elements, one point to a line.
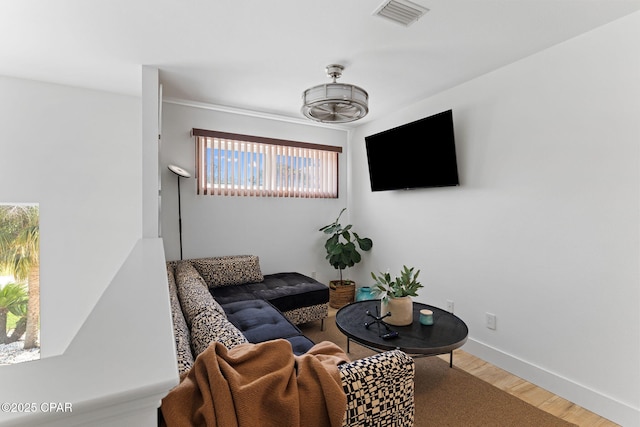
<point>401,309</point>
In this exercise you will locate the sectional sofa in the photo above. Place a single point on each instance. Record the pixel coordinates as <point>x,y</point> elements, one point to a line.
<point>229,300</point>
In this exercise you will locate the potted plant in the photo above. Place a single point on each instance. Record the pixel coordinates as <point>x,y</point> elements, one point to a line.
<point>342,252</point>
<point>395,295</point>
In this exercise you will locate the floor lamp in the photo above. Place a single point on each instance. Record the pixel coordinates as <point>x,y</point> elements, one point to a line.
<point>181,173</point>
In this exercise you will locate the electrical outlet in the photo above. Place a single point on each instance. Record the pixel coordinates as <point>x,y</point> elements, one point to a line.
<point>450,306</point>
<point>491,321</point>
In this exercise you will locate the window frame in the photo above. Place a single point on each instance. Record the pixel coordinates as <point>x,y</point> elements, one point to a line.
<point>284,145</point>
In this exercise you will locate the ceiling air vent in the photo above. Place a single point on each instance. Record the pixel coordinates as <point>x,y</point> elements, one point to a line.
<point>402,12</point>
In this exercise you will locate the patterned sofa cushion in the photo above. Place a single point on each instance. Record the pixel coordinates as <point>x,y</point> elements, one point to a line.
<point>229,270</point>
<point>193,292</point>
<point>210,326</point>
<point>180,329</point>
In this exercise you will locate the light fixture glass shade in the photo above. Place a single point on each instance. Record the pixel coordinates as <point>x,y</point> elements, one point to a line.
<point>335,102</point>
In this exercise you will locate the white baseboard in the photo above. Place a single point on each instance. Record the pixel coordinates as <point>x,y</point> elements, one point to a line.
<point>592,400</point>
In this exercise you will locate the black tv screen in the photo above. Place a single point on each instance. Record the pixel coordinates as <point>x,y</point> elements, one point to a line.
<point>415,155</point>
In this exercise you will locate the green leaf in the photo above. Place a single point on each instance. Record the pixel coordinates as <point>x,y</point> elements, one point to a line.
<point>365,244</point>
<point>346,259</point>
<point>336,250</point>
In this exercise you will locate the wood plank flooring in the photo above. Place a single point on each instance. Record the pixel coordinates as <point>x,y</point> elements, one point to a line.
<point>527,391</point>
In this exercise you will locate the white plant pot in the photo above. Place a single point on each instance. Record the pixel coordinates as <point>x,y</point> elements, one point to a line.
<point>401,310</point>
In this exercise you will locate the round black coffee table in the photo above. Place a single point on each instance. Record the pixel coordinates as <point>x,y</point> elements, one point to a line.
<point>447,333</point>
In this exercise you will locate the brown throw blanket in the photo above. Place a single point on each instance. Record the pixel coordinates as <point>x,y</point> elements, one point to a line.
<point>260,385</point>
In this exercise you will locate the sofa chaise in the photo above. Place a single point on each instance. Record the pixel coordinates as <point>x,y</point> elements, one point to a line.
<point>228,300</point>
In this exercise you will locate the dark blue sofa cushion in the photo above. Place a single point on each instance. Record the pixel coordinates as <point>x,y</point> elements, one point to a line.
<point>260,321</point>
<point>286,291</point>
<point>300,344</point>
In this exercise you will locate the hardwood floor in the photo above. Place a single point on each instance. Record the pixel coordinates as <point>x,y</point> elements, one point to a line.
<point>527,391</point>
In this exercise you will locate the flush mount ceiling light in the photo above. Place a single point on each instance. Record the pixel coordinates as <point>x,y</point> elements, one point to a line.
<point>335,102</point>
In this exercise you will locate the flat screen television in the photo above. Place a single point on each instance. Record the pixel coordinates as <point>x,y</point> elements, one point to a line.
<point>415,155</point>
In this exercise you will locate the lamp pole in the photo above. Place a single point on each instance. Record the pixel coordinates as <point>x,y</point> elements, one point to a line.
<point>181,173</point>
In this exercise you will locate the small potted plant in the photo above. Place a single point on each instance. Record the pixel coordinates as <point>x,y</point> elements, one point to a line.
<point>342,253</point>
<point>395,295</point>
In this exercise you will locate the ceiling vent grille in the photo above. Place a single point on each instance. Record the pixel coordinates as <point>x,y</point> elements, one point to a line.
<point>402,12</point>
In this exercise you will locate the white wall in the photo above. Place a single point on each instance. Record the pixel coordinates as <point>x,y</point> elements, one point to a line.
<point>283,232</point>
<point>77,153</point>
<point>544,230</point>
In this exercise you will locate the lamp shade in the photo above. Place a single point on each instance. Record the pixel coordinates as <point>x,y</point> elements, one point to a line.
<point>179,171</point>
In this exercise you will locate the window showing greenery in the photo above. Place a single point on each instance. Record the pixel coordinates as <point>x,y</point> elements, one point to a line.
<point>243,165</point>
<point>19,283</point>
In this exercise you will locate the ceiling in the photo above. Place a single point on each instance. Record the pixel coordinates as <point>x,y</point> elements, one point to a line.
<point>261,55</point>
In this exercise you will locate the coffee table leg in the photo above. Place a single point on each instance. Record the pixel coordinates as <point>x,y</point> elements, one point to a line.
<point>348,342</point>
<point>451,359</point>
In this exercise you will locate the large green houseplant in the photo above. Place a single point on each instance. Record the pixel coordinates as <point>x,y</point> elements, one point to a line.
<point>342,251</point>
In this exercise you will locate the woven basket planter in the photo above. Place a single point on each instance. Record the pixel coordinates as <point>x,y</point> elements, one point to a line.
<point>341,293</point>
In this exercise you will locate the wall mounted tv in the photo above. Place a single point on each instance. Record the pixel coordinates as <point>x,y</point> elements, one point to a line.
<point>415,155</point>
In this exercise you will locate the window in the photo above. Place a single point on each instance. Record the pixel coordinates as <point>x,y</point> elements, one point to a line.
<point>19,282</point>
<point>241,165</point>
